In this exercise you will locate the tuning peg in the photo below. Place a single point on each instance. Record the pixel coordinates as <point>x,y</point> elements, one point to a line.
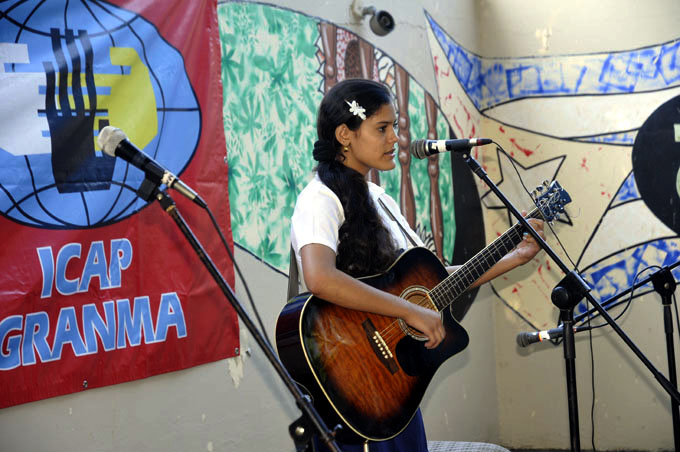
<point>537,191</point>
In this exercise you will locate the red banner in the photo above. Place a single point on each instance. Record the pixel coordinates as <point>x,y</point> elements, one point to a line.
<point>99,286</point>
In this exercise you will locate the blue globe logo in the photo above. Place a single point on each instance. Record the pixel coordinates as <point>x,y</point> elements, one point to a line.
<point>67,70</point>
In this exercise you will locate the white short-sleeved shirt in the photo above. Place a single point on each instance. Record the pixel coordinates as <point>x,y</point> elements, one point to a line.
<point>319,214</point>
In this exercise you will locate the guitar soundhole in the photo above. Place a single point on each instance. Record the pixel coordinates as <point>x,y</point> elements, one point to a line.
<point>416,295</point>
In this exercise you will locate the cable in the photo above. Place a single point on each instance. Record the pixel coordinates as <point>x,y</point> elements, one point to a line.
<point>240,275</point>
<point>519,176</point>
<point>592,383</point>
<point>555,341</point>
<point>592,354</point>
<point>628,302</point>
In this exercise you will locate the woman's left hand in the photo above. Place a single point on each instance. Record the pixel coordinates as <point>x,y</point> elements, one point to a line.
<point>528,248</point>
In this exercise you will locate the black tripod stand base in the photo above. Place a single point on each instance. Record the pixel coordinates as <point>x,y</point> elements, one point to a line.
<point>301,431</point>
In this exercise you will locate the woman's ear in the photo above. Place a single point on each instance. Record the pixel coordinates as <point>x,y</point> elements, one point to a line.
<point>343,134</point>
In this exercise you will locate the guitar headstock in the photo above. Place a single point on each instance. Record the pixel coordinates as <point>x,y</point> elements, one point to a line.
<point>550,199</point>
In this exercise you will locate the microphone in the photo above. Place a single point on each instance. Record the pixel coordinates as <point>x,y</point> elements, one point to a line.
<point>114,142</point>
<point>421,149</point>
<point>525,339</point>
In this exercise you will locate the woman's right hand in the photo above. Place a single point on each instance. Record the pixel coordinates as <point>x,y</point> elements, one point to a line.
<point>325,281</point>
<point>428,322</point>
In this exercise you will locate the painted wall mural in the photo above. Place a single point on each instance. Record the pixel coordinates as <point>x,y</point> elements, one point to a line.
<point>607,126</point>
<point>580,119</point>
<point>276,66</point>
<point>492,82</point>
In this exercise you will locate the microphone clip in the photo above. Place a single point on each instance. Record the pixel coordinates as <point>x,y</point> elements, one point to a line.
<point>147,189</point>
<point>569,292</point>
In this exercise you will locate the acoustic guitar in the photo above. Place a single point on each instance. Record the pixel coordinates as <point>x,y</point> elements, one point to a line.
<point>369,372</point>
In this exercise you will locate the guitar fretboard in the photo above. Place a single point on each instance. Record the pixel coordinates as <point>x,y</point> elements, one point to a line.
<point>444,293</point>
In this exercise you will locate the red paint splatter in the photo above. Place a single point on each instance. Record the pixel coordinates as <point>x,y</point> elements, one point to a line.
<point>501,129</point>
<point>540,274</point>
<point>466,112</point>
<point>547,265</point>
<point>438,71</point>
<point>604,192</point>
<point>458,125</point>
<point>583,164</point>
<point>526,151</point>
<point>472,132</point>
<point>515,290</point>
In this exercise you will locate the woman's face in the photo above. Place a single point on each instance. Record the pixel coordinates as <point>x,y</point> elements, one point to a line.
<point>372,144</point>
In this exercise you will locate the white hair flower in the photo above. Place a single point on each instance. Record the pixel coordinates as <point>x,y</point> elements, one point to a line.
<point>356,109</point>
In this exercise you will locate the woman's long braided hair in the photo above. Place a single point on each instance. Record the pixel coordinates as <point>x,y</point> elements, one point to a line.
<point>365,246</point>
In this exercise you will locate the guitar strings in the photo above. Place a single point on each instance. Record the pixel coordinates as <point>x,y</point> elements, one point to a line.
<point>394,330</point>
<point>504,244</point>
<point>449,285</point>
<point>389,333</point>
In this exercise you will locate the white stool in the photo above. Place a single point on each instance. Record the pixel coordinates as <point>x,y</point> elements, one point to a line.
<point>462,446</point>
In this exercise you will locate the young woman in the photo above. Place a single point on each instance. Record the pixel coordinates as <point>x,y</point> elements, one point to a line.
<point>344,227</point>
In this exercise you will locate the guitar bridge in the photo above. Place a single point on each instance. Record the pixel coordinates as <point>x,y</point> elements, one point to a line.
<point>379,347</point>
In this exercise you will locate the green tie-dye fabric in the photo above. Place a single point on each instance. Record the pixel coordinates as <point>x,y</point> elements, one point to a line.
<point>272,89</point>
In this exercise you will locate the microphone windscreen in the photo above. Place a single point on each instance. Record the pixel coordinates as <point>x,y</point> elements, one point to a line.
<point>417,149</point>
<point>109,138</point>
<point>524,339</point>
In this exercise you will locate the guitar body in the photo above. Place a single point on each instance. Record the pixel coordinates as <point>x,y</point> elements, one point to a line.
<point>367,371</point>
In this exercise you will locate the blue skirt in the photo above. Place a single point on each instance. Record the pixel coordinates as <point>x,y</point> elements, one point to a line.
<point>411,439</point>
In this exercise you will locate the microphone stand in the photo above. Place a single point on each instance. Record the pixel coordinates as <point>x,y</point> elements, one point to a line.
<point>664,284</point>
<point>302,429</point>
<point>565,296</point>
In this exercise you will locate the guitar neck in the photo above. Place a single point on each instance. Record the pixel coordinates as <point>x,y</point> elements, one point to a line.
<point>444,293</point>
